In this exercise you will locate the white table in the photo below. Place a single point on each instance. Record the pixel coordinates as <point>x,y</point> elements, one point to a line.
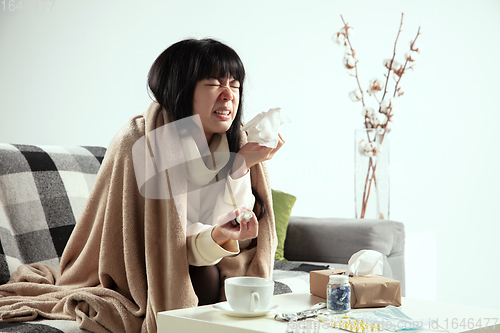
<point>206,319</point>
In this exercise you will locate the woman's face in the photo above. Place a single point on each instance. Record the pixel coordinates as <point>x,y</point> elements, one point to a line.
<point>216,101</point>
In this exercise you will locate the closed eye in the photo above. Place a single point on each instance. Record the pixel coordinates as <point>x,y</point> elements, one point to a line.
<point>233,87</point>
<point>213,82</point>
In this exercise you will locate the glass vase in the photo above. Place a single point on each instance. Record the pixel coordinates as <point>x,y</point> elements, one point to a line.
<point>371,174</point>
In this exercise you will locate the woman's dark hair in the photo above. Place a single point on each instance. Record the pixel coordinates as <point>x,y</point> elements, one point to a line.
<point>174,74</point>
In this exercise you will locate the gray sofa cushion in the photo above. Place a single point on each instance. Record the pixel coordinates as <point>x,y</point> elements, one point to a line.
<point>334,240</point>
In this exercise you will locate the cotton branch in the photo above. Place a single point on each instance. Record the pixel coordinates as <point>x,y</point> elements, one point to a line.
<point>346,27</point>
<point>392,59</point>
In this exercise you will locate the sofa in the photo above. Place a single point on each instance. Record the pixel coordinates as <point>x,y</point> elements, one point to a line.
<point>43,190</point>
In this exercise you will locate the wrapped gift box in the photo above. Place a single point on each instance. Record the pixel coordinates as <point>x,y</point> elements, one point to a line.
<point>369,291</point>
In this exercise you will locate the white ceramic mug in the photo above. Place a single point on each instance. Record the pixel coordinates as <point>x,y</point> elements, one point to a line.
<point>248,294</point>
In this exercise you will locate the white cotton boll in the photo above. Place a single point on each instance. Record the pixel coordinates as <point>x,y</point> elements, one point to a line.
<point>414,55</point>
<point>382,118</point>
<point>367,111</point>
<point>375,85</point>
<point>411,56</point>
<point>362,147</point>
<point>349,62</point>
<point>396,66</point>
<point>387,105</point>
<point>367,148</point>
<point>387,63</point>
<point>339,38</point>
<point>355,95</point>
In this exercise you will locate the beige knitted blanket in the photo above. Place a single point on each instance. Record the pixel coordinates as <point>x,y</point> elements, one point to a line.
<point>126,259</point>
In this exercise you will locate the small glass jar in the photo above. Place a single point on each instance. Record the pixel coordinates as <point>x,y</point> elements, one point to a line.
<point>338,293</point>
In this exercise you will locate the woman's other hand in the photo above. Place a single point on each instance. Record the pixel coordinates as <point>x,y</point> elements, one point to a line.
<point>243,231</point>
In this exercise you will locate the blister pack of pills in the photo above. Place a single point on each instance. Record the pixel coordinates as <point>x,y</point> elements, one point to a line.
<point>322,323</point>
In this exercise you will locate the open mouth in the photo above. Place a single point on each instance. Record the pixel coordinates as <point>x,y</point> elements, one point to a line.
<point>226,113</point>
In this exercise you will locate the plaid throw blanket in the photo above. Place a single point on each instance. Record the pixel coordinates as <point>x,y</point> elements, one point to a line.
<point>43,191</point>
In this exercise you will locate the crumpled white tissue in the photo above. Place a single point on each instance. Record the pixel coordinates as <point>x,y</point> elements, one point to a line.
<point>264,127</point>
<point>365,262</point>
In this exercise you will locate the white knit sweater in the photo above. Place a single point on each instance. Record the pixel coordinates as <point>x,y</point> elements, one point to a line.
<point>212,198</point>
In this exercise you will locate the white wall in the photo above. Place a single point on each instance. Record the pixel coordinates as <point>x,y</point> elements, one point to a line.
<point>75,74</point>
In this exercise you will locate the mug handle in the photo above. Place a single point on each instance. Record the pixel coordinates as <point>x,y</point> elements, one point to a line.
<point>254,302</point>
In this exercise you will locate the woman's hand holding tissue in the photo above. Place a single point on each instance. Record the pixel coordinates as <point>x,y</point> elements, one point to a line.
<point>264,140</point>
<point>225,231</point>
<point>253,153</point>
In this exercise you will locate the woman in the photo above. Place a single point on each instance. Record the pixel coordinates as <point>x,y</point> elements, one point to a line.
<point>135,252</point>
<point>210,76</point>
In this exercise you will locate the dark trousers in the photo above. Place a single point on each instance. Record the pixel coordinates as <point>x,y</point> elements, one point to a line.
<point>206,283</point>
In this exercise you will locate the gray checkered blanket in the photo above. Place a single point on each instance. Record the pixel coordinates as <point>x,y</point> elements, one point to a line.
<point>43,190</point>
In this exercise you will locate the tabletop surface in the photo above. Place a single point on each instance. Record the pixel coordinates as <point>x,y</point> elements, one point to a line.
<point>446,317</point>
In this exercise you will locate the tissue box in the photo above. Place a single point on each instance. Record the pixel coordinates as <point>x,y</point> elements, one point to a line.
<point>369,291</point>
